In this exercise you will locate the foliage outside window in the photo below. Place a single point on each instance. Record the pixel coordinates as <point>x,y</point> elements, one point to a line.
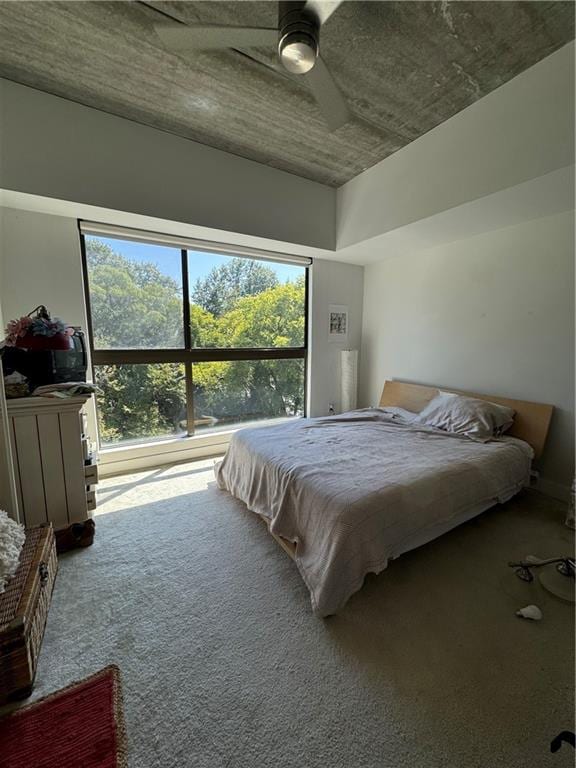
<point>139,297</point>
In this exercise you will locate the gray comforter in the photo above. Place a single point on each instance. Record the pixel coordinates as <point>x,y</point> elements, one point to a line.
<point>354,491</point>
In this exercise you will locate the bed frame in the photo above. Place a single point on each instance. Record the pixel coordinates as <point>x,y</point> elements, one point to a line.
<point>531,422</point>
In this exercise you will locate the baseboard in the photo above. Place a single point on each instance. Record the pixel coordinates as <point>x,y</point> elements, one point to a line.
<point>553,489</point>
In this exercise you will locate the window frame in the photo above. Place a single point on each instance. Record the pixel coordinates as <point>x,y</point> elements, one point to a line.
<point>188,355</point>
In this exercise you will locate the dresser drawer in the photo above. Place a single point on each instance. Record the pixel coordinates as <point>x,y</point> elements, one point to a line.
<point>91,499</point>
<point>91,473</point>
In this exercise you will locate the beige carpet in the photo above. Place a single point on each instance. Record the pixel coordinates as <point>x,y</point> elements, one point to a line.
<point>224,665</point>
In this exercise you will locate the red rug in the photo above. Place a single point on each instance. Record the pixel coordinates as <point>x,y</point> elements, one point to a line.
<point>81,726</point>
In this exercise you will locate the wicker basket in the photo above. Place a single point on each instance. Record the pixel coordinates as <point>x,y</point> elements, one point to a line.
<point>23,611</point>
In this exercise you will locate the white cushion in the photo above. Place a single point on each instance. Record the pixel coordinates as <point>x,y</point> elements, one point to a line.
<point>12,539</point>
<point>479,420</point>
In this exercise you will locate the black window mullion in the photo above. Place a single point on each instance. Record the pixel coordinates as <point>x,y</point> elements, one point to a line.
<point>87,301</point>
<point>197,355</point>
<point>306,330</point>
<point>187,344</point>
<point>186,301</point>
<point>189,399</point>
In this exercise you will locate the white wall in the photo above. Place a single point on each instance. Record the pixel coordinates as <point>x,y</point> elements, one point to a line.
<point>8,499</point>
<point>57,148</point>
<point>40,263</point>
<point>332,283</point>
<point>544,196</point>
<point>520,131</point>
<point>491,314</point>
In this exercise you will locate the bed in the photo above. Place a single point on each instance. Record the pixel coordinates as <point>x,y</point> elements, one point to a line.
<point>344,495</point>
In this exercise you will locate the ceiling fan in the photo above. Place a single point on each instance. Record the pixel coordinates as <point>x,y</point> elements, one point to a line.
<point>297,40</point>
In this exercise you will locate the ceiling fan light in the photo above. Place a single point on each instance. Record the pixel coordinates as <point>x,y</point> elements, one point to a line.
<point>298,52</point>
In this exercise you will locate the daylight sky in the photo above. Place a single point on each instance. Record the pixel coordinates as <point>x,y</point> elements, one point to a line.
<point>199,264</point>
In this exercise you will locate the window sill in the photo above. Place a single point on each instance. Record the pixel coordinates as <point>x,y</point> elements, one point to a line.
<point>122,459</point>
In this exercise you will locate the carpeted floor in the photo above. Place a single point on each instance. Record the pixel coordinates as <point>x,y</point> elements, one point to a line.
<point>224,665</point>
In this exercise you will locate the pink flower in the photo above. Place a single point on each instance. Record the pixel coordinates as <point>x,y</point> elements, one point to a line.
<point>16,329</point>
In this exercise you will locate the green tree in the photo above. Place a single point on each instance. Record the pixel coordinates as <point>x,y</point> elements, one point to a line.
<point>273,318</point>
<point>133,304</point>
<point>257,388</point>
<point>223,285</point>
<point>249,389</point>
<point>140,401</point>
<point>205,329</point>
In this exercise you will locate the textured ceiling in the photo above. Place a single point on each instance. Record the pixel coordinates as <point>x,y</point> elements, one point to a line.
<point>404,67</point>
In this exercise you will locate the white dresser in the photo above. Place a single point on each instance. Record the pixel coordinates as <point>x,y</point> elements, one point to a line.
<point>55,466</point>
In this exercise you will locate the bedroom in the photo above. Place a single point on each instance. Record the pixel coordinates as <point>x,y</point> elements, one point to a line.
<point>439,221</point>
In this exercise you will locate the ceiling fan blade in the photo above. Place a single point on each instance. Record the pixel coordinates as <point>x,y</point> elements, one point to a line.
<point>269,62</point>
<point>328,96</point>
<point>322,9</point>
<point>181,38</point>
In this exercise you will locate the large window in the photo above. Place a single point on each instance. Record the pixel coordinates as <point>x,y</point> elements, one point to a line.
<point>187,341</point>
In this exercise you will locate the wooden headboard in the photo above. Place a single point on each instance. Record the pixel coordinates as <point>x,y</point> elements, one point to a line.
<point>531,421</point>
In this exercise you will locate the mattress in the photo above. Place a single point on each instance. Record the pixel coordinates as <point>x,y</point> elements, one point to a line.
<point>356,490</point>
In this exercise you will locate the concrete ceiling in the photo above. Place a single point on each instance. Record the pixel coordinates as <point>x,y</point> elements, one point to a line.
<point>404,68</point>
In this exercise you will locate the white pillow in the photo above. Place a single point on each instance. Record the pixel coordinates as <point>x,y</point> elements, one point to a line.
<point>477,419</point>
